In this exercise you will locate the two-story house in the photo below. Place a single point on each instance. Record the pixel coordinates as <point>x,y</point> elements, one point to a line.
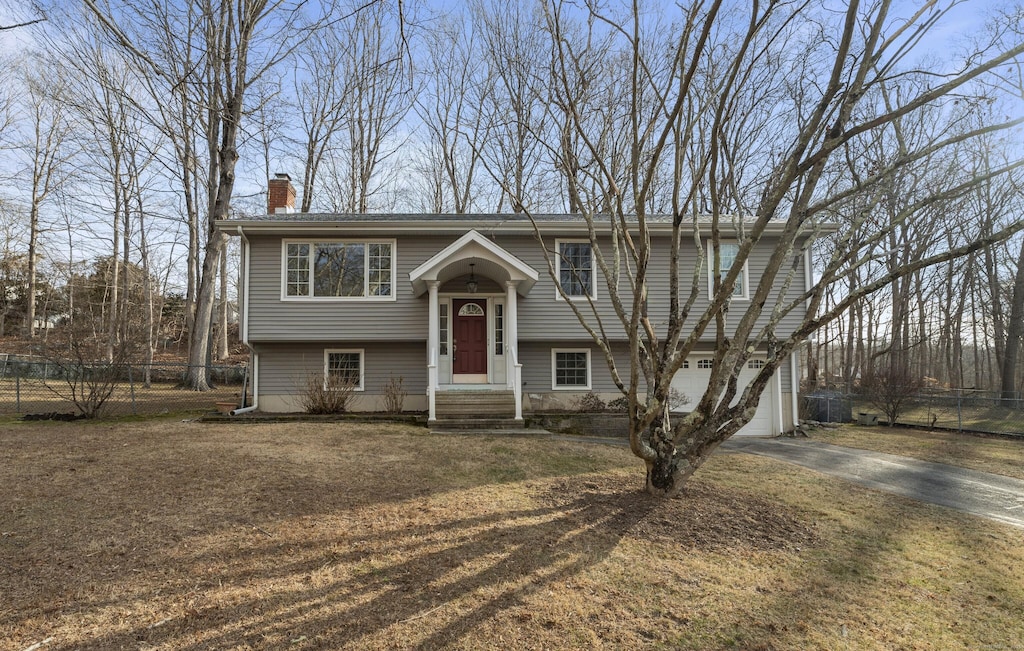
<point>458,306</point>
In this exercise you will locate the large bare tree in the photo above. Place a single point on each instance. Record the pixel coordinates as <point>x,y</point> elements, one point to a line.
<point>232,44</point>
<point>742,117</point>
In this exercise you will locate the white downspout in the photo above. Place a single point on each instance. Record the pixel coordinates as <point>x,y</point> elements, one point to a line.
<point>794,382</point>
<point>779,421</point>
<point>244,329</point>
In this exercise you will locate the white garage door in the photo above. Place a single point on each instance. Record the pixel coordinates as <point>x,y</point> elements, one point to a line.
<point>693,380</point>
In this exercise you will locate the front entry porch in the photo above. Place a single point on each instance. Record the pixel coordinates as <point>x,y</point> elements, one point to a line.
<point>472,338</point>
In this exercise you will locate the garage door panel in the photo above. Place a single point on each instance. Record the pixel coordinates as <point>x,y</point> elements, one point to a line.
<point>693,381</point>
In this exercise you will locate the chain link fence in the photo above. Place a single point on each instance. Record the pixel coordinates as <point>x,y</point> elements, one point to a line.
<point>32,385</point>
<point>961,410</point>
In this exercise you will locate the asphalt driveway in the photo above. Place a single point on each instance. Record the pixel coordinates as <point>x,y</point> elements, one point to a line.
<point>990,496</point>
<point>980,493</point>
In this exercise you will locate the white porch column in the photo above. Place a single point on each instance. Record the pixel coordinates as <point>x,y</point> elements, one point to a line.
<point>433,341</point>
<point>513,370</point>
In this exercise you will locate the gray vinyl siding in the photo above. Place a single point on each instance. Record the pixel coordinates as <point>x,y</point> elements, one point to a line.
<point>284,367</point>
<point>542,316</point>
<point>536,360</point>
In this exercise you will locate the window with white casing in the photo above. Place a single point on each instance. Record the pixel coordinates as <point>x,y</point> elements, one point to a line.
<point>576,267</point>
<point>336,269</point>
<point>570,368</point>
<point>704,363</point>
<point>343,367</point>
<point>442,316</point>
<point>756,363</point>
<point>727,257</point>
<point>499,329</point>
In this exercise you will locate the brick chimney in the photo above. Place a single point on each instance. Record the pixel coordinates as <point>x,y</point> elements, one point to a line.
<point>280,194</point>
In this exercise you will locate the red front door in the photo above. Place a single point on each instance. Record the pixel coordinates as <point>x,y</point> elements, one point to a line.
<point>469,335</point>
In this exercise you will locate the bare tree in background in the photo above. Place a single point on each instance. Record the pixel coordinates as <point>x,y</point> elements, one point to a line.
<point>44,148</point>
<point>807,84</point>
<point>234,45</point>
<point>518,124</point>
<point>377,96</point>
<point>321,90</point>
<point>456,87</point>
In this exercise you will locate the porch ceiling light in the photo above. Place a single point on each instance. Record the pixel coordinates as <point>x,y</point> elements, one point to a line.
<point>471,284</point>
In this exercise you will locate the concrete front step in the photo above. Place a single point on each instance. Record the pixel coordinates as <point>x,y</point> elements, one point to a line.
<point>469,403</point>
<point>485,426</point>
<point>476,423</point>
<point>533,431</point>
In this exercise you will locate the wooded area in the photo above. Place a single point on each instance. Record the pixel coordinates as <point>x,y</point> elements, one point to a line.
<point>126,128</point>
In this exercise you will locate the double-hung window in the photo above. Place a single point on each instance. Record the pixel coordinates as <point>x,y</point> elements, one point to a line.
<point>570,369</point>
<point>727,252</point>
<point>576,268</point>
<point>339,269</point>
<point>343,368</point>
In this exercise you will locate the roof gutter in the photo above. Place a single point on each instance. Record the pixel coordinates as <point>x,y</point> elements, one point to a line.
<point>289,224</point>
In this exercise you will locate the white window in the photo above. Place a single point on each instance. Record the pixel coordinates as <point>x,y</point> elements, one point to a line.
<point>570,368</point>
<point>727,257</point>
<point>499,329</point>
<point>686,363</point>
<point>471,309</point>
<point>337,269</point>
<point>576,267</point>
<point>704,363</point>
<point>756,363</point>
<point>344,367</point>
<point>443,328</point>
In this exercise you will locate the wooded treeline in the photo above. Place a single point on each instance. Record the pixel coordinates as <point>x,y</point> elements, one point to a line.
<point>126,127</point>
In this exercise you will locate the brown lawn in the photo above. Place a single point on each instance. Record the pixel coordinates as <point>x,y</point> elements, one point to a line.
<point>180,535</point>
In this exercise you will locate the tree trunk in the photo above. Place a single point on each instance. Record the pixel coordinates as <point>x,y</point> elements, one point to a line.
<point>1014,333</point>
<point>33,244</point>
<point>222,331</point>
<point>199,338</point>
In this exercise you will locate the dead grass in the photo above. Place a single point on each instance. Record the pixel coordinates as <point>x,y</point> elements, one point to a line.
<point>171,535</point>
<point>995,455</point>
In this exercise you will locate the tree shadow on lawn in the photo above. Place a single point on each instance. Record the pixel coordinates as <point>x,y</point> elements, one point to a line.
<point>115,516</point>
<point>372,578</point>
<point>231,550</point>
<point>422,586</point>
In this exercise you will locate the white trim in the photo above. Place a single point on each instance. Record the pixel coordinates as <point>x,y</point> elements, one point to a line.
<point>745,295</point>
<point>362,363</point>
<point>554,356</point>
<point>393,243</point>
<point>558,268</point>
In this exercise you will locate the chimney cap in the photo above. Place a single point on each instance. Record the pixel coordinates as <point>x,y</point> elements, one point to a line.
<point>282,176</point>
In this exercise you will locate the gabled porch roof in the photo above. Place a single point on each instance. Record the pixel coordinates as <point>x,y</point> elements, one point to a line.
<point>491,260</point>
